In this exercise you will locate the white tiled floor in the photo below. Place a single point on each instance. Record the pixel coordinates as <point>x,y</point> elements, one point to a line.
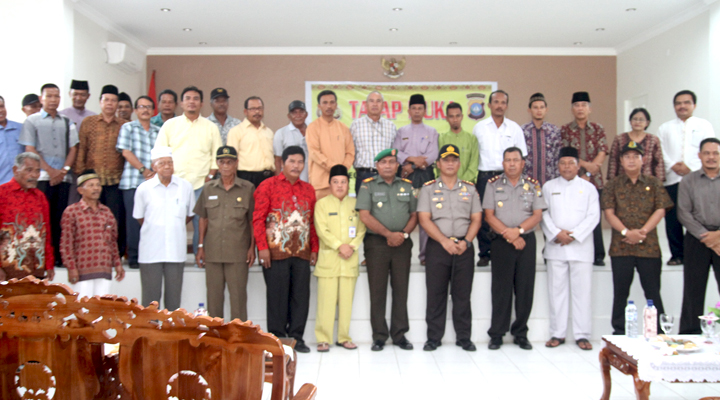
<point>565,372</point>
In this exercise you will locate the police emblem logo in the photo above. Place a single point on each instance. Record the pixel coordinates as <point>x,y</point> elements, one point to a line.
<point>632,144</point>
<point>226,151</point>
<point>476,105</point>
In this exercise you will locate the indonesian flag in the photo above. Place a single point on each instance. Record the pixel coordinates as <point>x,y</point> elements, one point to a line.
<point>151,88</point>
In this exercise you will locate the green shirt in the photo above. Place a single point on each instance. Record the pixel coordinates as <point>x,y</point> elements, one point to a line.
<point>467,143</point>
<point>391,205</point>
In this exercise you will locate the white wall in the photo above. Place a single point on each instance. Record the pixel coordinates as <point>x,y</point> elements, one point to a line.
<point>714,46</point>
<point>89,62</point>
<point>35,38</point>
<point>660,67</point>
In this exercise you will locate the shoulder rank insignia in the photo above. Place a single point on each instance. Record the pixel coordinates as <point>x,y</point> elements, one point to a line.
<point>370,179</point>
<point>428,183</point>
<point>532,180</point>
<point>406,180</point>
<point>468,182</point>
<point>494,178</point>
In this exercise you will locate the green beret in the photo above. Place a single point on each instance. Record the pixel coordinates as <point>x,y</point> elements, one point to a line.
<point>385,153</point>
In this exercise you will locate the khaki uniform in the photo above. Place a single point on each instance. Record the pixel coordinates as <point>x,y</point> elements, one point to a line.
<point>392,205</point>
<point>227,240</point>
<point>512,270</point>
<point>450,211</point>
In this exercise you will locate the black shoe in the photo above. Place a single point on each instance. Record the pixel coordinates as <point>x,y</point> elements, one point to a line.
<point>495,343</point>
<point>301,347</point>
<point>675,261</point>
<point>432,345</point>
<point>466,344</point>
<point>523,343</point>
<point>599,262</point>
<point>484,261</point>
<point>404,344</point>
<point>378,345</point>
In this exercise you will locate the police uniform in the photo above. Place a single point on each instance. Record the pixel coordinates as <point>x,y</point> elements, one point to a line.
<point>512,270</point>
<point>450,210</point>
<point>392,205</point>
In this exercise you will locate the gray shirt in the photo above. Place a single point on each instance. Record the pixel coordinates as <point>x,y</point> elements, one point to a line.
<point>288,136</point>
<point>450,209</point>
<point>48,136</point>
<point>698,205</point>
<point>230,122</point>
<point>513,204</point>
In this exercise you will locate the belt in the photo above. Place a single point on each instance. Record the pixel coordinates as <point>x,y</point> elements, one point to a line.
<point>490,172</point>
<point>373,170</point>
<point>711,227</point>
<point>266,172</point>
<point>494,235</point>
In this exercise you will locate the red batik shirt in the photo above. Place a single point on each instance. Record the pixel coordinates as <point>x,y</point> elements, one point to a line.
<point>283,218</point>
<point>25,245</point>
<point>88,241</point>
<point>589,142</point>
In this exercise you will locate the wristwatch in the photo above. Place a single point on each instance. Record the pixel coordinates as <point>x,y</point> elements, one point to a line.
<point>624,232</point>
<point>521,230</point>
<point>142,170</point>
<point>467,242</point>
<point>200,246</point>
<point>589,175</point>
<point>66,168</point>
<point>406,235</point>
<point>210,176</point>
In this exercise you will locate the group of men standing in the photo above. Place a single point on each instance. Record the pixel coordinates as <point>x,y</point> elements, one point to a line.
<point>244,186</point>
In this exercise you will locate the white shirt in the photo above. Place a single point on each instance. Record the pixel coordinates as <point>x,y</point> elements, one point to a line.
<point>492,141</point>
<point>574,206</point>
<point>288,136</point>
<point>163,235</point>
<point>680,141</point>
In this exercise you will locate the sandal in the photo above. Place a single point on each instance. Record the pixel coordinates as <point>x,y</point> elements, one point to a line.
<point>323,347</point>
<point>347,345</point>
<point>554,342</point>
<point>584,344</point>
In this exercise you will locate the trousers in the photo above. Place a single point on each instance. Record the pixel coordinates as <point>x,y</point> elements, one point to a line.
<point>57,197</point>
<point>288,297</point>
<point>673,227</point>
<point>623,270</point>
<point>236,277</point>
<point>336,291</point>
<point>695,277</point>
<point>561,275</point>
<point>93,287</point>
<point>151,279</point>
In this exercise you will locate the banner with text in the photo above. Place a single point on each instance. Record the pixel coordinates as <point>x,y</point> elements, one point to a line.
<point>472,96</point>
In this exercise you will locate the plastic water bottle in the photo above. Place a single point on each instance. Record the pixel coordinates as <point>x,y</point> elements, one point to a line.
<point>631,320</point>
<point>650,320</point>
<point>200,310</point>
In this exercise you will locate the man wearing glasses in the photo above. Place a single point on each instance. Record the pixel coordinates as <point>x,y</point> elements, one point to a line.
<point>253,141</point>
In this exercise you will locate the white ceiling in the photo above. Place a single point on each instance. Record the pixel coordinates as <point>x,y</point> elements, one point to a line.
<point>366,23</point>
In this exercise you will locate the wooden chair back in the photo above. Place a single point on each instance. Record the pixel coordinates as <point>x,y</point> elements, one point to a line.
<point>51,347</point>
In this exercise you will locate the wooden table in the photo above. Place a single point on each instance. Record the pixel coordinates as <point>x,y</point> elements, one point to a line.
<point>612,355</point>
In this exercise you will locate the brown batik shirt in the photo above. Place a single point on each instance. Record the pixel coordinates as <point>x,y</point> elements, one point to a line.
<point>634,203</point>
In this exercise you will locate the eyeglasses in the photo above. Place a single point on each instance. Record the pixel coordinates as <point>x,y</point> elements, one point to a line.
<point>255,109</point>
<point>639,120</point>
<point>145,107</point>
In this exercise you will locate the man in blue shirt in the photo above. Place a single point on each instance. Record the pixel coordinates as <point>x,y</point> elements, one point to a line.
<point>9,147</point>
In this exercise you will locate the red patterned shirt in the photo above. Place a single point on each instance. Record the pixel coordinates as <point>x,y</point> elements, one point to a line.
<point>25,245</point>
<point>283,218</point>
<point>88,241</point>
<point>589,142</point>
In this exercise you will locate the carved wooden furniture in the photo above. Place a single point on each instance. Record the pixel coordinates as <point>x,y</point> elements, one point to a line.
<point>613,356</point>
<point>290,367</point>
<point>51,347</point>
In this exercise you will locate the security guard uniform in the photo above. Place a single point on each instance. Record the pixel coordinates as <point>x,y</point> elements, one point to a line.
<point>450,210</point>
<point>512,270</point>
<point>392,205</point>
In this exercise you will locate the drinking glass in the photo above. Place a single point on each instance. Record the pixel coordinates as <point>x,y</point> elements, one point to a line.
<point>666,323</point>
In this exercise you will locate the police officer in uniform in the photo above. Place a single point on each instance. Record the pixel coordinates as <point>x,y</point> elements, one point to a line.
<point>513,205</point>
<point>387,208</point>
<point>449,210</point>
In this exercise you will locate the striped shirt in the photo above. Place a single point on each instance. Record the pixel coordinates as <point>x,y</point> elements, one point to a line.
<point>370,138</point>
<point>135,138</point>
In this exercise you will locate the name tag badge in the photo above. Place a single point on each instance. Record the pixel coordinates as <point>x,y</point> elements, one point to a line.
<point>556,193</point>
<point>379,194</point>
<point>212,197</point>
<point>352,232</point>
<point>331,214</point>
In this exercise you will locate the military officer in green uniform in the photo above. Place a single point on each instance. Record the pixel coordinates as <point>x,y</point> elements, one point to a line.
<point>513,205</point>
<point>387,208</point>
<point>449,210</point>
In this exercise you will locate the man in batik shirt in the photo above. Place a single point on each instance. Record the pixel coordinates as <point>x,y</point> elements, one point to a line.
<point>543,142</point>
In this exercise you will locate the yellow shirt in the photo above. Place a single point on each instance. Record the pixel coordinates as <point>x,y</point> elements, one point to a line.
<point>254,146</point>
<point>329,144</point>
<point>334,220</point>
<point>194,146</point>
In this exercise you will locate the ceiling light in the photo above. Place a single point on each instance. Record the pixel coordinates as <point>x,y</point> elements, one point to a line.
<point>202,43</point>
<point>328,43</point>
<point>393,29</point>
<point>600,29</point>
<point>631,9</point>
<point>577,44</point>
<point>187,29</point>
<point>453,42</point>
<point>165,9</point>
<point>397,9</point>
